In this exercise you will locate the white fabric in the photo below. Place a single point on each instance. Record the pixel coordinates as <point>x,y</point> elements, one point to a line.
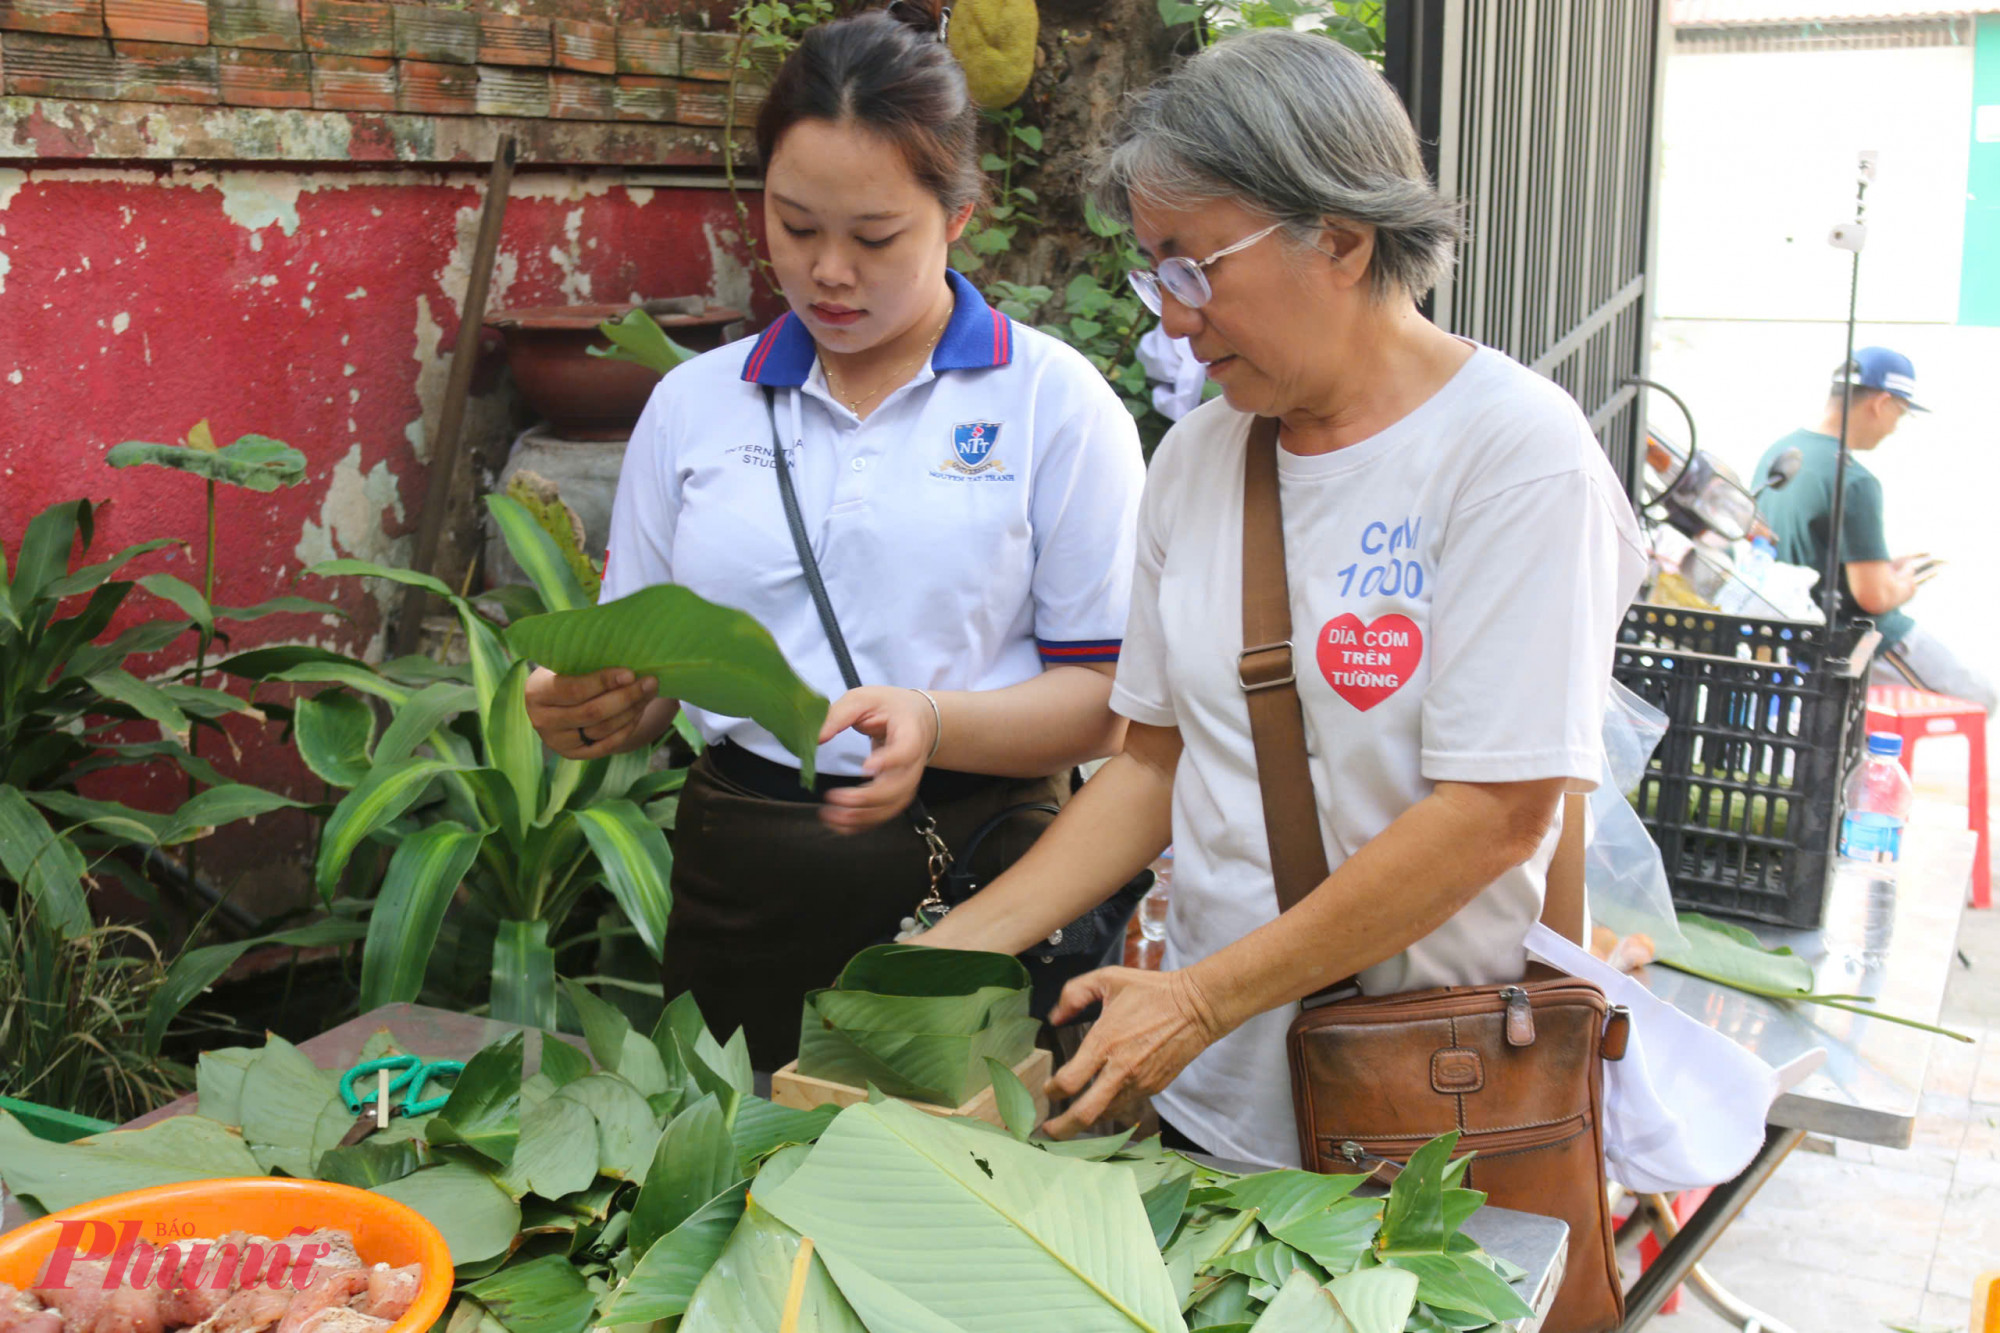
<point>1481,553</point>
<point>1686,1106</point>
<point>1177,375</point>
<point>942,576</point>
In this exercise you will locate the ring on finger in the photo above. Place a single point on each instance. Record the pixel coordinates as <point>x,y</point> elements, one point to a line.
<point>584,736</point>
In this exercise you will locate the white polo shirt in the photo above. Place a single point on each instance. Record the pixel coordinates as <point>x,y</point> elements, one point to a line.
<point>977,525</point>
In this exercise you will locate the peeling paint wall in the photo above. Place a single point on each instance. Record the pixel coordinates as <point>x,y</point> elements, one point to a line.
<point>318,307</point>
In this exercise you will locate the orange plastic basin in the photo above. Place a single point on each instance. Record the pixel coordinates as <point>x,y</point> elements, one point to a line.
<point>384,1230</point>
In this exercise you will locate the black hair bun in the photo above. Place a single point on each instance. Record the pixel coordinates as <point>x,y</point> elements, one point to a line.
<point>925,16</point>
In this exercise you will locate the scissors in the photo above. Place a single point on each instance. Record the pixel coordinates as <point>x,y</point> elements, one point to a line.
<point>408,1073</point>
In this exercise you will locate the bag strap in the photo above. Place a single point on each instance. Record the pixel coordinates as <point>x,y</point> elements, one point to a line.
<point>1267,671</point>
<point>917,812</point>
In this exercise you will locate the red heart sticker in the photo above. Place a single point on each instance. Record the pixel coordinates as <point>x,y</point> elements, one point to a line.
<point>1366,664</point>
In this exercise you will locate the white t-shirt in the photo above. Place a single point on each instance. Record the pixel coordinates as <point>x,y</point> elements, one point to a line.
<point>1456,583</point>
<point>975,526</point>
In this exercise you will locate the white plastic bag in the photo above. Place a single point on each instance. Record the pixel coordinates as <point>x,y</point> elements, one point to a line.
<point>1686,1106</point>
<point>1624,879</point>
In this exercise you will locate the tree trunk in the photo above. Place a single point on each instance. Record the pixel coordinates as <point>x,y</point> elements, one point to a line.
<point>1091,53</point>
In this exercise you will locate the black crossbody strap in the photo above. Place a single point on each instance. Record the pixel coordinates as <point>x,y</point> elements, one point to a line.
<point>918,813</point>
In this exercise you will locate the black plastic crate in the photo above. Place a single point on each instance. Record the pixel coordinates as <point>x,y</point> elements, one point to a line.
<point>1765,720</point>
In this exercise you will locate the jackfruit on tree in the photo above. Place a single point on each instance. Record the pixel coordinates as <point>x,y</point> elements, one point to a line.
<point>995,41</point>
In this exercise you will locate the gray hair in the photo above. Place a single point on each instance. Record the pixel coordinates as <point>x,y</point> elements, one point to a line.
<point>1295,126</point>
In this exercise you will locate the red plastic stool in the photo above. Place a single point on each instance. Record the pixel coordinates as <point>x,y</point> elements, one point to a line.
<point>1917,714</point>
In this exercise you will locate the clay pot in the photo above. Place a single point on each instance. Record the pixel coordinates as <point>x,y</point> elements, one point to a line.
<point>585,397</point>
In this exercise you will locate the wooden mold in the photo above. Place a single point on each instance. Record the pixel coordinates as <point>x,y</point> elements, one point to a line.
<point>801,1092</point>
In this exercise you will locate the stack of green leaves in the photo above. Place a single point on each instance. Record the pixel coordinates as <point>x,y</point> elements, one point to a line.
<point>918,1023</point>
<point>656,1190</point>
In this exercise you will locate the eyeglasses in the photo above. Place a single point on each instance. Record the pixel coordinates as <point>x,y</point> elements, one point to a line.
<point>1183,278</point>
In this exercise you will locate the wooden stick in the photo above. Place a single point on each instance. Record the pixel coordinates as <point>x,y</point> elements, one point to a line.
<point>795,1295</point>
<point>381,1099</point>
<point>451,412</point>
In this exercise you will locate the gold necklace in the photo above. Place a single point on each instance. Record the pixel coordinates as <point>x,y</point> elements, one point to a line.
<point>893,377</point>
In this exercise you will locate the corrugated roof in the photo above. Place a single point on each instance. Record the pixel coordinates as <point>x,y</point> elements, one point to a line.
<point>1683,12</point>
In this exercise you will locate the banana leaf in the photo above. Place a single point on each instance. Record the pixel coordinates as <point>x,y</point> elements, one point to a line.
<point>749,1287</point>
<point>700,653</point>
<point>62,1175</point>
<point>925,1225</point>
<point>478,1219</point>
<point>942,1068</point>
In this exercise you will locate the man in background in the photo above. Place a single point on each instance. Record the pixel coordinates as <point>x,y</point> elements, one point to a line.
<point>1800,516</point>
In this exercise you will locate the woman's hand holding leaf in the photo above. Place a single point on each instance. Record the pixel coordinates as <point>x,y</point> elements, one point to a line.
<point>605,706</point>
<point>904,730</point>
<point>1152,1026</point>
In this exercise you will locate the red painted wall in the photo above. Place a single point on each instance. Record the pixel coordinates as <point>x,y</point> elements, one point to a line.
<point>319,309</point>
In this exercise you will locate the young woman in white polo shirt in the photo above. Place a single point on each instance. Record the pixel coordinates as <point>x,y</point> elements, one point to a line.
<point>969,488</point>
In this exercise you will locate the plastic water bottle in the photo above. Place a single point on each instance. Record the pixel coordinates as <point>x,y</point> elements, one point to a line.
<point>1862,911</point>
<point>1757,562</point>
<point>1879,796</point>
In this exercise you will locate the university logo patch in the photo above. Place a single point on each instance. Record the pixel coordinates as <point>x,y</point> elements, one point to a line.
<point>972,451</point>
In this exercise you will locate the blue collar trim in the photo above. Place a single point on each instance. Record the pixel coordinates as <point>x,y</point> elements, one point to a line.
<point>977,337</point>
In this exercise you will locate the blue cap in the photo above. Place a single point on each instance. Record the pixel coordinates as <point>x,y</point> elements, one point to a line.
<point>1886,743</point>
<point>1880,368</point>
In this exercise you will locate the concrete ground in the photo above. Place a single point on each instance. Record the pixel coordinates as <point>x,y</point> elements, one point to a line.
<point>1848,1238</point>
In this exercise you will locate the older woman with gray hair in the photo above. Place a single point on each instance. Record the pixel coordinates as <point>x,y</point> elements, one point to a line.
<point>1458,554</point>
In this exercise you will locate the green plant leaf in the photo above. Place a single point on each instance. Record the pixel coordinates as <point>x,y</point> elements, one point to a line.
<point>366,1165</point>
<point>387,791</point>
<point>63,1175</point>
<point>368,569</point>
<point>197,969</point>
<point>693,1163</point>
<point>1723,952</point>
<point>1460,1282</point>
<point>700,653</point>
<point>512,746</point>
<point>638,338</point>
<point>604,1024</point>
<point>484,1110</point>
<point>750,1282</point>
<point>263,663</point>
<point>668,1272</point>
<point>557,1150</point>
<point>637,864</point>
<point>538,554</point>
<point>291,1109</point>
<point>208,810</point>
<point>763,1126</point>
<point>1413,1218</point>
<point>418,718</point>
<point>255,462</point>
<point>478,1218</point>
<point>524,975</point>
<point>122,687</point>
<point>627,1129</point>
<point>1164,1204</point>
<point>562,1062</point>
<point>1007,1226</point>
<point>1282,1197</point>
<point>1017,1104</point>
<point>43,554</point>
<point>1338,1237</point>
<point>422,876</point>
<point>545,1295</point>
<point>47,866</point>
<point>334,730</point>
<point>278,606</point>
<point>183,595</point>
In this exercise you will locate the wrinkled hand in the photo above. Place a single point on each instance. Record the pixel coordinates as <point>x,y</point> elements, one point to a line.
<point>1153,1024</point>
<point>903,729</point>
<point>605,706</point>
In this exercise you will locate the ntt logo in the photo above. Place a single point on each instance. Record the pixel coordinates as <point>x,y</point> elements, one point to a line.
<point>218,1265</point>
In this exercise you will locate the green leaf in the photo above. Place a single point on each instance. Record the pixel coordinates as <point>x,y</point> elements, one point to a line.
<point>762,1126</point>
<point>1029,135</point>
<point>334,730</point>
<point>43,554</point>
<point>512,746</point>
<point>122,687</point>
<point>1413,1219</point>
<point>219,1083</point>
<point>1460,1282</point>
<point>420,716</point>
<point>700,653</point>
<point>1282,1197</point>
<point>664,1280</point>
<point>524,975</point>
<point>287,1122</point>
<point>208,810</point>
<point>1006,1226</point>
<point>750,1284</point>
<point>423,874</point>
<point>638,866</point>
<point>327,569</point>
<point>639,339</point>
<point>366,1165</point>
<point>1337,1237</point>
<point>1164,1204</point>
<point>183,595</point>
<point>47,866</point>
<point>627,1129</point>
<point>557,1150</point>
<point>1729,954</point>
<point>694,1162</point>
<point>264,663</point>
<point>63,1175</point>
<point>197,969</point>
<point>277,606</point>
<point>605,1026</point>
<point>1017,1104</point>
<point>562,1062</point>
<point>387,791</point>
<point>545,1295</point>
<point>477,1217</point>
<point>484,1110</point>
<point>538,555</point>
<point>255,462</point>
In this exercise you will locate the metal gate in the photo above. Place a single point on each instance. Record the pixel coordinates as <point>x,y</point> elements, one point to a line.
<point>1541,116</point>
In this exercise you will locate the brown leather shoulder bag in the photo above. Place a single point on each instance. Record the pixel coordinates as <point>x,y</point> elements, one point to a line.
<point>1516,1069</point>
